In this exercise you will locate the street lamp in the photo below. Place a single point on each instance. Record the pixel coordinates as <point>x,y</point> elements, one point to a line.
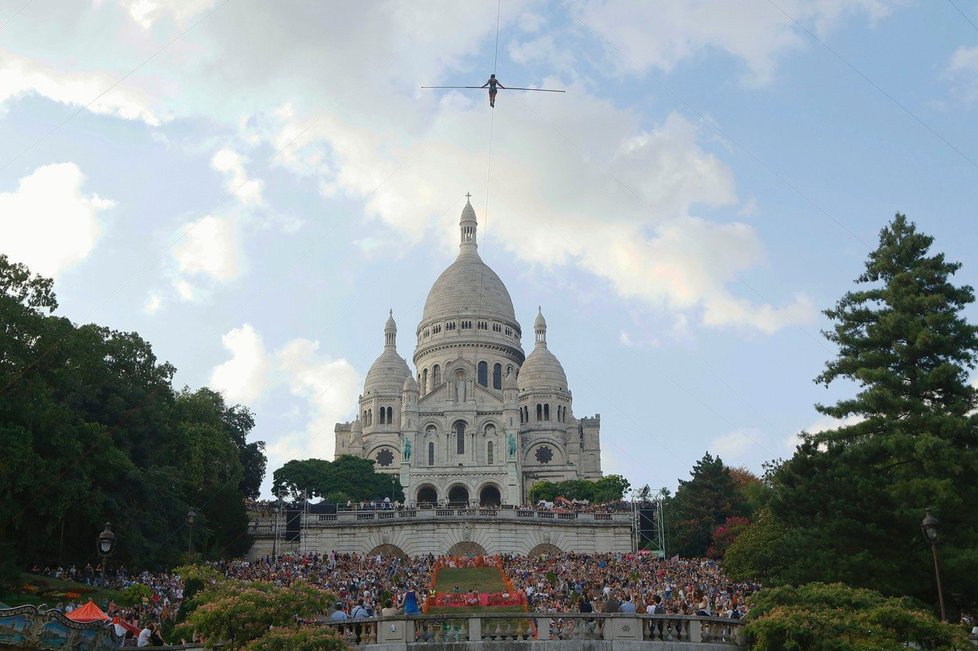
<point>191,517</point>
<point>929,528</point>
<point>105,543</point>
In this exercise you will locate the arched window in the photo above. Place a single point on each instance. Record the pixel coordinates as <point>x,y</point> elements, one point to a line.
<point>383,413</point>
<point>431,453</point>
<point>483,374</point>
<point>489,453</point>
<point>424,382</point>
<point>390,415</point>
<point>539,412</point>
<point>370,417</point>
<point>497,376</point>
<point>526,414</point>
<point>460,438</point>
<point>546,412</point>
<point>435,376</point>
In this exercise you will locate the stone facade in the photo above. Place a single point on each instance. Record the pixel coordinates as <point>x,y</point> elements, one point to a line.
<point>479,422</point>
<point>438,531</point>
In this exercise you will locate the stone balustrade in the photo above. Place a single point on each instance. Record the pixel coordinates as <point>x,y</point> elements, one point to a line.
<point>563,631</point>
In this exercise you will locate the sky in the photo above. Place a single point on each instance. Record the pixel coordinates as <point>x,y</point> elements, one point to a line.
<point>251,186</point>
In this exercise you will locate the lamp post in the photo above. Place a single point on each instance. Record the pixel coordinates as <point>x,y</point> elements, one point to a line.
<point>191,517</point>
<point>105,543</point>
<point>929,528</point>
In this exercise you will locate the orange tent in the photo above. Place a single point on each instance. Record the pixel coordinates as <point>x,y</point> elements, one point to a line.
<point>87,613</point>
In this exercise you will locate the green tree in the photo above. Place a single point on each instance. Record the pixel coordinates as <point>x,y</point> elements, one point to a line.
<point>346,474</point>
<point>835,617</point>
<point>852,498</point>
<point>611,488</point>
<point>245,613</point>
<point>758,551</point>
<point>92,430</point>
<point>701,504</point>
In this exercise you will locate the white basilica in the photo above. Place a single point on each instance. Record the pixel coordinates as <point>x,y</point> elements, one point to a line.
<point>481,422</point>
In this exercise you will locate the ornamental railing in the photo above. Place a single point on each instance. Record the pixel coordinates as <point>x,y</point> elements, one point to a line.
<point>559,628</point>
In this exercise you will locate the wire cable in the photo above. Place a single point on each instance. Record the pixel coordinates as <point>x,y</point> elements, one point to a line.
<point>495,57</point>
<point>872,83</point>
<point>963,15</point>
<point>116,83</point>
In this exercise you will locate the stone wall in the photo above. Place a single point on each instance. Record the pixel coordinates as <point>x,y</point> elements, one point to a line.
<point>415,532</point>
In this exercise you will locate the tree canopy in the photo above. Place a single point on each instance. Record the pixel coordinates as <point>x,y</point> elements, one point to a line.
<point>847,506</point>
<point>702,504</point>
<point>345,478</point>
<point>93,431</point>
<point>820,617</point>
<point>610,488</point>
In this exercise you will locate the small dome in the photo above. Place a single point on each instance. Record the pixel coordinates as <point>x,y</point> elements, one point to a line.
<point>357,427</point>
<point>410,384</point>
<point>388,372</point>
<point>541,370</point>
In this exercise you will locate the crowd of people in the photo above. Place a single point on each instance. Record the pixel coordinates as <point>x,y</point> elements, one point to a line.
<point>611,583</point>
<point>369,586</point>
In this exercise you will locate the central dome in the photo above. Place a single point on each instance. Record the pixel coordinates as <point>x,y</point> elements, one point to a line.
<point>468,287</point>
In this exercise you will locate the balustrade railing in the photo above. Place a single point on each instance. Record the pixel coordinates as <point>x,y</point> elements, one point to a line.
<point>432,630</point>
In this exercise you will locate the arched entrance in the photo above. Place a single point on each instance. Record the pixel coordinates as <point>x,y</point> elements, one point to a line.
<point>467,548</point>
<point>458,495</point>
<point>544,549</point>
<point>489,496</point>
<point>388,551</point>
<point>427,494</point>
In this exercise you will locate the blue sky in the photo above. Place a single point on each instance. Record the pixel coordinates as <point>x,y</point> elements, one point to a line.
<point>251,186</point>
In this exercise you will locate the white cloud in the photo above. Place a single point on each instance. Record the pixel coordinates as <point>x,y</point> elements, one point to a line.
<point>626,219</point>
<point>962,72</point>
<point>662,34</point>
<point>210,247</point>
<point>20,76</point>
<point>153,303</point>
<point>185,290</point>
<point>146,12</point>
<point>242,378</point>
<point>733,446</point>
<point>232,165</point>
<point>328,386</point>
<point>48,223</point>
<point>823,424</point>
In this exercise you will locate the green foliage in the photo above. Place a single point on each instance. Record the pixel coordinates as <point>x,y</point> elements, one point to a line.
<point>834,617</point>
<point>851,499</point>
<point>346,475</point>
<point>611,488</point>
<point>701,504</point>
<point>244,612</point>
<point>307,638</point>
<point>92,430</point>
<point>135,593</point>
<point>757,553</point>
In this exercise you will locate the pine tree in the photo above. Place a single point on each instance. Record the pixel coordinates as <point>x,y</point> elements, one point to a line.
<point>852,498</point>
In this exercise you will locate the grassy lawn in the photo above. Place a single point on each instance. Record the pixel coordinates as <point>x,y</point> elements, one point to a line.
<point>35,590</point>
<point>478,579</point>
